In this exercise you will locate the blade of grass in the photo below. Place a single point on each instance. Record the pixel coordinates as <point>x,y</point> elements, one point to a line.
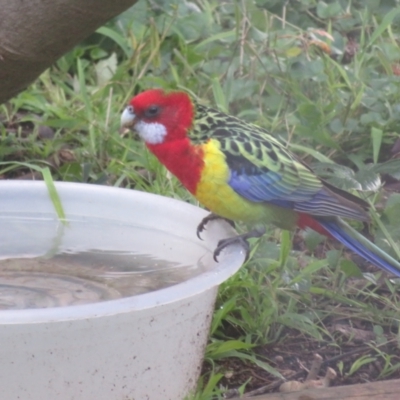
<point>55,198</point>
<point>386,21</point>
<point>45,171</point>
<point>376,135</point>
<point>88,106</point>
<point>117,38</point>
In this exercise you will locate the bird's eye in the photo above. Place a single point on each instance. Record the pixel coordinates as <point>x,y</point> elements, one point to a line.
<point>152,111</point>
<point>130,110</point>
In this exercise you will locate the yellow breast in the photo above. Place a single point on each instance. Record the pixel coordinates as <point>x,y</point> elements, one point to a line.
<point>214,192</point>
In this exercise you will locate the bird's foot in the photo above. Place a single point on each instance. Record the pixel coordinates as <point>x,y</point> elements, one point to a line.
<point>206,220</point>
<point>241,240</point>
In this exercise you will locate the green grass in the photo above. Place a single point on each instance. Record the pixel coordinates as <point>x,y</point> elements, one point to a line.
<point>264,63</point>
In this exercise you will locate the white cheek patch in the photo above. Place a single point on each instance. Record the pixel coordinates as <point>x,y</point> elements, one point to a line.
<point>151,132</point>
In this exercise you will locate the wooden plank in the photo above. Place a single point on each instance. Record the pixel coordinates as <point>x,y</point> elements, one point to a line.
<point>382,390</point>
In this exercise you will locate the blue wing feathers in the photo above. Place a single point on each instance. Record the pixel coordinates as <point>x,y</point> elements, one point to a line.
<point>271,187</point>
<point>266,187</point>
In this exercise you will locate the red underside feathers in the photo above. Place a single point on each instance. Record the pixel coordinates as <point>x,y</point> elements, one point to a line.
<point>307,221</point>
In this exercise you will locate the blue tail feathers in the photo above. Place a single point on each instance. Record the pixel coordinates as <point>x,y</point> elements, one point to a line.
<point>354,244</point>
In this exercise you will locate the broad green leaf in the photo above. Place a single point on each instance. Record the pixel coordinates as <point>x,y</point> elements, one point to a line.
<point>368,179</point>
<point>105,69</point>
<point>293,52</point>
<point>350,269</point>
<point>391,167</point>
<point>328,10</point>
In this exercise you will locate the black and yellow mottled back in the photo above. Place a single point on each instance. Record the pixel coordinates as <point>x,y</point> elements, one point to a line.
<point>263,170</point>
<point>237,138</point>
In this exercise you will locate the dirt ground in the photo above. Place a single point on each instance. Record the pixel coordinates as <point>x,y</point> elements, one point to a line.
<point>294,358</point>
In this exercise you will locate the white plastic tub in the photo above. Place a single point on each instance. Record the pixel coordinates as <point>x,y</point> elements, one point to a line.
<point>145,347</point>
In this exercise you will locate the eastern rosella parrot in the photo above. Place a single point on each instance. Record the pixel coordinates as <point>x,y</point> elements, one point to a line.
<point>241,173</point>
